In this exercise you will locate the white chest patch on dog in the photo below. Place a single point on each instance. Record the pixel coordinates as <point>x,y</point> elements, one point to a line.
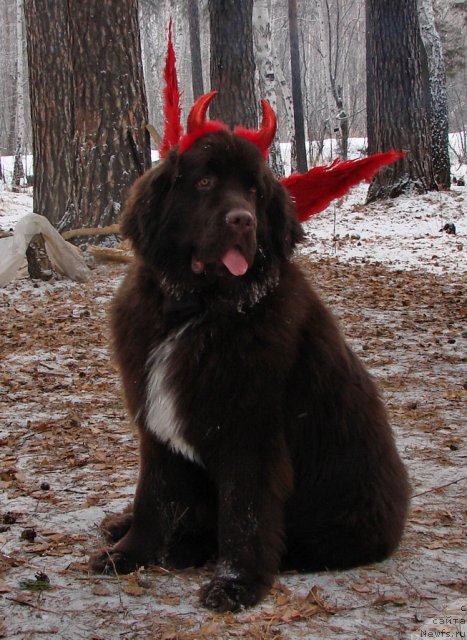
<point>161,410</point>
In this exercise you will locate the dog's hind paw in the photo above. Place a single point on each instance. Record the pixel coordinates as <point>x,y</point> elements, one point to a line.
<point>115,526</point>
<point>113,562</point>
<point>223,594</point>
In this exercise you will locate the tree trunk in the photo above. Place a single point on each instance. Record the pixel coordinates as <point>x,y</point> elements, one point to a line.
<point>330,47</point>
<point>439,105</point>
<point>18,169</point>
<point>297,87</point>
<point>267,78</point>
<point>286,94</point>
<point>324,21</point>
<point>195,49</point>
<point>398,97</point>
<point>232,62</point>
<point>88,108</point>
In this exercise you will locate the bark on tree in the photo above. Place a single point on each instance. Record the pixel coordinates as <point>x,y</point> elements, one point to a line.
<point>88,108</point>
<point>267,78</point>
<point>195,49</point>
<point>232,62</point>
<point>297,88</point>
<point>398,97</point>
<point>439,104</point>
<point>18,169</point>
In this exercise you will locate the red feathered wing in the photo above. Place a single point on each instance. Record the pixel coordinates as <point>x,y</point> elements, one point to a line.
<point>314,190</point>
<point>173,130</point>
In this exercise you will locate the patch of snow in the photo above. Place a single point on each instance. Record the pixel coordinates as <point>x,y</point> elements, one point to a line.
<point>404,233</point>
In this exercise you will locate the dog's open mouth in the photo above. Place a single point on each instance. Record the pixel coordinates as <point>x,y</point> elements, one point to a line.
<point>233,260</point>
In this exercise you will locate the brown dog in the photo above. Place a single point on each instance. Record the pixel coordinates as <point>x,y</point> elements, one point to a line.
<point>264,443</point>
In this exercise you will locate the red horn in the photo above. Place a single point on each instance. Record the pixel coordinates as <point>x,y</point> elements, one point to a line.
<point>265,134</point>
<point>197,115</point>
<point>268,127</point>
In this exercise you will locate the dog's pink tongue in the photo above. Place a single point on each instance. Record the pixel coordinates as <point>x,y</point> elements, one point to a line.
<point>235,262</point>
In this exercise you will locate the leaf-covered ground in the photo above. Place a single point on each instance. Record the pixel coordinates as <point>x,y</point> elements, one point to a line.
<point>68,455</point>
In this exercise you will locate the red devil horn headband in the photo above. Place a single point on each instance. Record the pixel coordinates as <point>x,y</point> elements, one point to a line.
<point>198,126</point>
<point>311,191</point>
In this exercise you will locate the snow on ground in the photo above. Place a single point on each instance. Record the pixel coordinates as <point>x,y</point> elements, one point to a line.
<point>13,206</point>
<point>68,454</point>
<point>404,233</point>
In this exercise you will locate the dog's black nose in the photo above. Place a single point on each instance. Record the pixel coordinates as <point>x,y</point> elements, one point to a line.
<point>239,219</point>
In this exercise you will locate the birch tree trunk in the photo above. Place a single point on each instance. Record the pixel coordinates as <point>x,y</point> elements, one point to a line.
<point>18,169</point>
<point>267,78</point>
<point>438,94</point>
<point>285,95</point>
<point>398,98</point>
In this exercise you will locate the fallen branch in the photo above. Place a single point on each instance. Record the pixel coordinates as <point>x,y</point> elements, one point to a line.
<point>442,486</point>
<point>92,231</point>
<point>109,254</point>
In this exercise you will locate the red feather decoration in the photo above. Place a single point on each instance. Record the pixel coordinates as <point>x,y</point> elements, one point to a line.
<point>314,190</point>
<point>173,129</point>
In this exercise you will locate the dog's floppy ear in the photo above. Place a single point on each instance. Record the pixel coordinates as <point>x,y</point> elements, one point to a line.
<point>286,230</point>
<point>145,202</point>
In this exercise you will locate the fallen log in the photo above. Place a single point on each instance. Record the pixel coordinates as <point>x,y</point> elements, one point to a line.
<point>92,231</point>
<point>109,254</point>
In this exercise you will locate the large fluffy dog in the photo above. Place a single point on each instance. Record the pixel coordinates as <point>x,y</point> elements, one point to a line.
<point>264,443</point>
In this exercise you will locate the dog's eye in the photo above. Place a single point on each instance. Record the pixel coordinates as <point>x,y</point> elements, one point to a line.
<point>204,183</point>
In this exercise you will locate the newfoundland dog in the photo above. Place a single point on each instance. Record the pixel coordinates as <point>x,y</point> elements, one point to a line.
<point>263,442</point>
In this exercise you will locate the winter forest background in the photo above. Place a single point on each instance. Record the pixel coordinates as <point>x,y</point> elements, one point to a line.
<point>393,271</point>
<point>345,23</point>
<point>332,50</point>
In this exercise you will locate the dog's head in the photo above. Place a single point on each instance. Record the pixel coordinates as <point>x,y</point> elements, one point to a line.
<point>213,217</point>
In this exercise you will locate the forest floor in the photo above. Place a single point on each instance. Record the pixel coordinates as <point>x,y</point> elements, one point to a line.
<point>68,455</point>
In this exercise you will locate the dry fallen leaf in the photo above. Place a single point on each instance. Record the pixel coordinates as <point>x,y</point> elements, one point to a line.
<point>101,590</point>
<point>361,588</point>
<point>4,588</point>
<point>133,589</point>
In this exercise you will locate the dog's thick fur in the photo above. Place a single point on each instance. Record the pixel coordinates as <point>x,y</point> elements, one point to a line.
<point>264,443</point>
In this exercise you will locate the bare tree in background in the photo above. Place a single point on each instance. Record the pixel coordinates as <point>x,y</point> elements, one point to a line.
<point>88,108</point>
<point>439,102</point>
<point>18,169</point>
<point>336,31</point>
<point>297,87</point>
<point>398,97</point>
<point>266,72</point>
<point>195,49</point>
<point>232,62</point>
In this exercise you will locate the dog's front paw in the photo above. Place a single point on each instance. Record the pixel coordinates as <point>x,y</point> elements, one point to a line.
<point>113,562</point>
<point>230,594</point>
